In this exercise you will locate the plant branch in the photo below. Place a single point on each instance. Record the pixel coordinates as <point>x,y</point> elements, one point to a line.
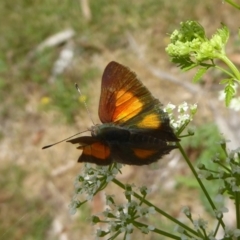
<point>156,208</point>
<point>233,4</point>
<point>199,181</point>
<point>231,66</point>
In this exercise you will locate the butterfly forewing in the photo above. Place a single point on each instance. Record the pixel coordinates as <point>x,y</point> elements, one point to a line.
<point>125,101</point>
<point>123,96</point>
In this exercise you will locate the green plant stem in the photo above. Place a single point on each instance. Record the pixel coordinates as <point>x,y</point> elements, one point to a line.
<point>237,202</point>
<point>224,167</point>
<point>216,230</point>
<point>156,230</point>
<point>199,181</point>
<point>231,66</point>
<point>233,4</point>
<point>204,232</point>
<point>225,71</point>
<point>156,208</point>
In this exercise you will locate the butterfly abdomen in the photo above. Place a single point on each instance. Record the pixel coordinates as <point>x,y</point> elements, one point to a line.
<point>141,138</point>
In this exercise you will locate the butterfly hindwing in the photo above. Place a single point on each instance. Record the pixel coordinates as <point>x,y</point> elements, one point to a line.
<point>93,150</point>
<point>137,155</point>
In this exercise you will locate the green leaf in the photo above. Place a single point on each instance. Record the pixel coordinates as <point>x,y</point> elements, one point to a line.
<point>200,72</point>
<point>189,67</point>
<point>229,91</point>
<point>184,62</point>
<point>225,81</point>
<point>223,33</point>
<point>191,30</point>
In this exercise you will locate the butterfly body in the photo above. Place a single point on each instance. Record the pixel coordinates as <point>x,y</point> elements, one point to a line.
<point>135,128</point>
<point>128,146</point>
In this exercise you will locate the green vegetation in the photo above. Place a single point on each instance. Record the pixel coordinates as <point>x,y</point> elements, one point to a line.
<point>18,208</point>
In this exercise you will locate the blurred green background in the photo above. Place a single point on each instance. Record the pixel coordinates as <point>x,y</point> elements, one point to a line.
<point>45,47</point>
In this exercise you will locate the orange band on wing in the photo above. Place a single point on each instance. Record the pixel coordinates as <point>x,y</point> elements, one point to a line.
<point>122,96</point>
<point>150,121</point>
<point>97,150</point>
<point>143,153</point>
<point>127,106</point>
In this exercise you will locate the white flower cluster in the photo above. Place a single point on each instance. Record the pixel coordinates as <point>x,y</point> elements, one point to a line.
<point>122,219</point>
<point>185,114</point>
<point>201,225</point>
<point>91,181</point>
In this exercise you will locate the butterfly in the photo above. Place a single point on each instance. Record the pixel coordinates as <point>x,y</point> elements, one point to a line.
<point>135,130</point>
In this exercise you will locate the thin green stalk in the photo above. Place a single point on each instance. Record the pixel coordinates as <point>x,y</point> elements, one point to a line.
<point>237,202</point>
<point>199,181</point>
<point>156,208</point>
<point>231,66</point>
<point>233,4</point>
<point>225,71</point>
<point>223,166</point>
<point>156,230</point>
<point>216,230</point>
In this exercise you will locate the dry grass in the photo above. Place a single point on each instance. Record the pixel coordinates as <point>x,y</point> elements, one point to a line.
<point>36,185</point>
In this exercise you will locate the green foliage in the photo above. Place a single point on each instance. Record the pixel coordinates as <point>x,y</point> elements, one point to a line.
<point>65,97</point>
<point>229,91</point>
<point>190,48</point>
<point>200,72</point>
<point>190,45</point>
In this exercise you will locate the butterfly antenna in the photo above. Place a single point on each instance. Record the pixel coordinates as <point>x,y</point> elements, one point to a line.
<point>85,104</point>
<point>48,146</point>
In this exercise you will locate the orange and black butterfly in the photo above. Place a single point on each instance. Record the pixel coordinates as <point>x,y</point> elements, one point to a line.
<point>135,128</point>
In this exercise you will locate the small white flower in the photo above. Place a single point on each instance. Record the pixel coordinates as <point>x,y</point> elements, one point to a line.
<point>186,210</point>
<point>219,212</point>
<point>200,224</point>
<point>183,107</point>
<point>169,108</point>
<point>193,108</point>
<point>151,228</point>
<point>191,131</point>
<point>230,232</point>
<point>178,229</point>
<point>73,207</point>
<point>219,198</point>
<point>221,174</point>
<point>144,230</point>
<point>203,174</point>
<point>129,228</point>
<point>151,210</point>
